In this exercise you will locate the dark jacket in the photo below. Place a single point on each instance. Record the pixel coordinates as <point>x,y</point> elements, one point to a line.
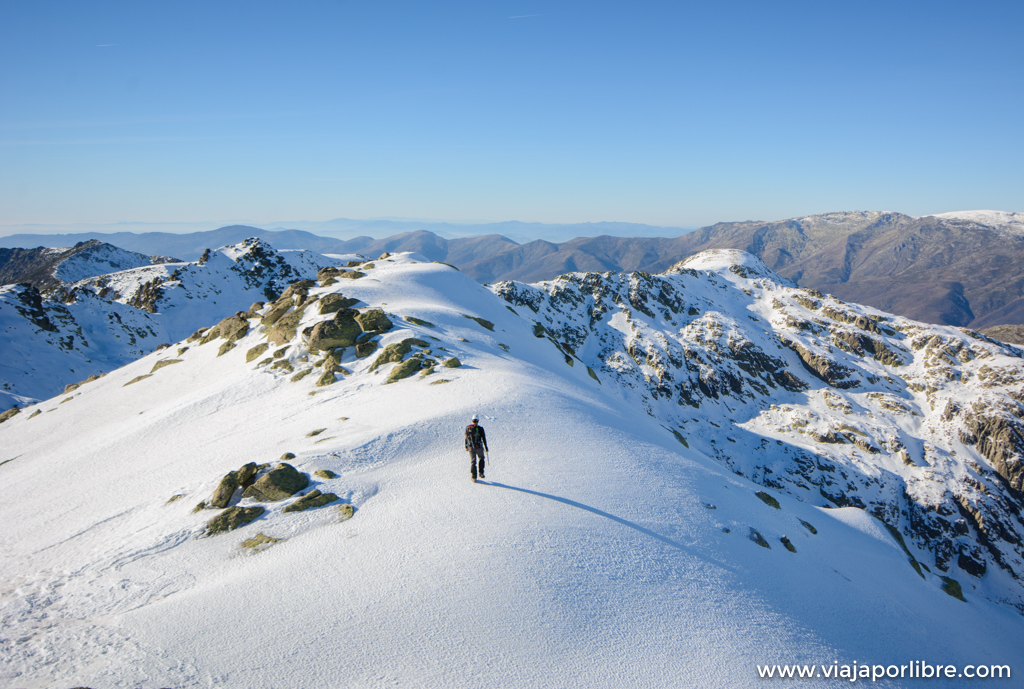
<point>475,437</point>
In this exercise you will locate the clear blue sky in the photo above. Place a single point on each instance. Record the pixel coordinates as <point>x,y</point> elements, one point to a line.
<point>671,113</point>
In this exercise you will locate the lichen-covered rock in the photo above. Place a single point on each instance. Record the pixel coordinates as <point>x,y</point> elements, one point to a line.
<point>351,275</point>
<point>325,474</point>
<point>283,365</point>
<point>156,367</point>
<point>756,537</point>
<point>256,351</point>
<point>404,370</point>
<point>233,518</point>
<point>299,288</point>
<point>300,375</point>
<point>392,353</point>
<point>334,333</point>
<point>334,302</point>
<point>260,542</point>
<point>419,321</point>
<point>313,498</point>
<point>285,328</point>
<point>10,413</point>
<point>452,363</point>
<point>365,349</point>
<point>136,379</point>
<point>482,321</point>
<point>225,348</point>
<point>281,482</point>
<point>346,511</point>
<point>225,489</point>
<point>278,309</point>
<point>374,320</point>
<point>328,378</point>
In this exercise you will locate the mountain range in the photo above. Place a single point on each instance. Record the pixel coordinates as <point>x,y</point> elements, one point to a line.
<point>954,268</point>
<point>694,477</point>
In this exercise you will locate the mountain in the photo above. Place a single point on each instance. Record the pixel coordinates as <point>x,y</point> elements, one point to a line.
<point>954,269</point>
<point>693,476</point>
<point>50,268</point>
<point>96,324</point>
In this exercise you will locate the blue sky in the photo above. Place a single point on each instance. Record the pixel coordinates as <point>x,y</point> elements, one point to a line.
<point>676,113</point>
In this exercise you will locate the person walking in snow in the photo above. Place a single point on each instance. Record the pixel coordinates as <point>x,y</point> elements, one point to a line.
<point>476,446</point>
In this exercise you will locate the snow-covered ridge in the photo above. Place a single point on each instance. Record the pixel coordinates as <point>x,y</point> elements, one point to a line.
<point>103,322</point>
<point>1005,220</point>
<point>654,513</point>
<point>98,260</point>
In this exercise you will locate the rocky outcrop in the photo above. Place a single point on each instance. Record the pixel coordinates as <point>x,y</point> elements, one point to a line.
<point>313,498</point>
<point>279,483</point>
<point>341,331</point>
<point>233,518</point>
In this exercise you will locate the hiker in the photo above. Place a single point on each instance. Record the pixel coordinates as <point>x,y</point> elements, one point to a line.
<point>476,446</point>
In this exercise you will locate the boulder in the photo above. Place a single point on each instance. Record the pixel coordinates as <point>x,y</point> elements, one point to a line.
<point>281,482</point>
<point>226,488</point>
<point>452,363</point>
<point>256,351</point>
<point>334,333</point>
<point>279,309</point>
<point>404,370</point>
<point>232,518</point>
<point>284,329</point>
<point>327,378</point>
<point>231,329</point>
<point>325,474</point>
<point>10,413</point>
<point>313,498</point>
<point>328,272</point>
<point>352,275</point>
<point>365,349</point>
<point>392,353</point>
<point>373,320</point>
<point>296,289</point>
<point>331,303</point>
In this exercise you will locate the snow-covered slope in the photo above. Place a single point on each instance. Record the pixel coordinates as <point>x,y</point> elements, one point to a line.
<point>97,324</point>
<point>600,551</point>
<point>1004,220</point>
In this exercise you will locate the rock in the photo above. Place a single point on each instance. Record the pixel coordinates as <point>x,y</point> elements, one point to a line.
<point>328,272</point>
<point>12,412</point>
<point>392,353</point>
<point>256,351</point>
<point>374,320</point>
<point>232,518</point>
<point>284,329</point>
<point>788,544</point>
<point>823,368</point>
<point>419,321</point>
<point>346,512</point>
<point>332,303</point>
<point>279,309</point>
<point>326,379</point>
<point>284,365</point>
<point>325,473</point>
<point>225,348</point>
<point>256,306</point>
<point>365,349</point>
<point>756,537</point>
<point>300,375</point>
<point>313,498</point>
<point>299,288</point>
<point>403,370</point>
<point>483,322</point>
<point>952,587</point>
<point>156,367</point>
<point>415,342</point>
<point>286,456</point>
<point>352,275</point>
<point>277,484</point>
<point>768,499</point>
<point>452,363</point>
<point>226,488</point>
<point>334,333</point>
<point>136,379</point>
<point>232,328</point>
<point>260,542</point>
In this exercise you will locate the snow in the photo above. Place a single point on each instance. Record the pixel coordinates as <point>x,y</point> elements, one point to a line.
<point>1004,220</point>
<point>590,557</point>
<point>98,260</point>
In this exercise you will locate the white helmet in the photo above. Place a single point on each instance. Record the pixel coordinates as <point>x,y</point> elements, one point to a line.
<point>475,418</point>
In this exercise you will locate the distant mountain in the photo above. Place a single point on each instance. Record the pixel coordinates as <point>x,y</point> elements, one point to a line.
<point>956,268</point>
<point>48,268</point>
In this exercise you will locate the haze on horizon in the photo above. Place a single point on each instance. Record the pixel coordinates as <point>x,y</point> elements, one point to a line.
<point>669,114</point>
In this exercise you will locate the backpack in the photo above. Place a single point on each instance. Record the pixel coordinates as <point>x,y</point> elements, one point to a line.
<point>473,437</point>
